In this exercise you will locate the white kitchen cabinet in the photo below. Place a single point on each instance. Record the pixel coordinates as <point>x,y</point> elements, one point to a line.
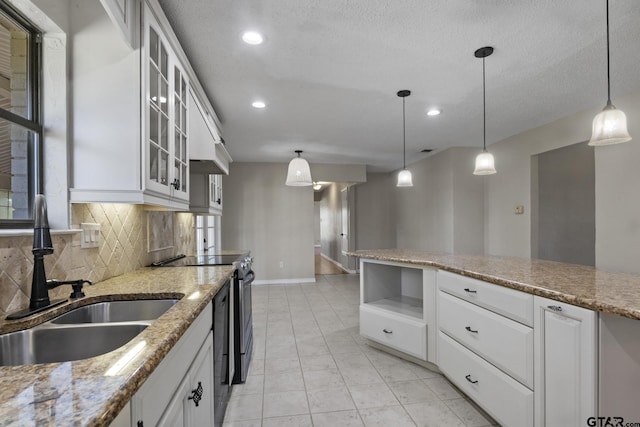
<point>165,107</point>
<point>486,345</point>
<point>166,397</point>
<point>397,307</point>
<point>565,364</point>
<point>131,111</point>
<point>510,303</point>
<point>206,194</point>
<point>216,186</point>
<point>209,160</point>
<point>506,344</point>
<point>192,404</point>
<point>508,401</point>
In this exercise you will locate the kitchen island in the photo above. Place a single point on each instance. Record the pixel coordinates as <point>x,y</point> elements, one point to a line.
<point>583,286</point>
<point>533,342</point>
<point>78,392</point>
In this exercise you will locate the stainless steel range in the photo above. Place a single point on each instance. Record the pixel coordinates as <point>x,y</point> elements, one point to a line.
<point>243,279</point>
<point>229,366</point>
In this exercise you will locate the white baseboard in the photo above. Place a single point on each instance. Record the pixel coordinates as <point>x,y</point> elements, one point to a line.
<point>337,264</point>
<point>284,281</point>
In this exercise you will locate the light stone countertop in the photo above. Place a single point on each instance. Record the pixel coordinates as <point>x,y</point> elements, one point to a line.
<point>588,287</point>
<point>78,393</point>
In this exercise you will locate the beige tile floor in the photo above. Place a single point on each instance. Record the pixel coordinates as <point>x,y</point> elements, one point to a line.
<point>311,368</point>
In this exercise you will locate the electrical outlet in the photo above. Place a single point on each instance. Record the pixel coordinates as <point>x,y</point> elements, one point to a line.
<point>519,210</point>
<point>90,235</point>
<point>281,264</point>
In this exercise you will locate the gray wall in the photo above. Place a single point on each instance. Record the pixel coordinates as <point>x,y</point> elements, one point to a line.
<point>618,197</point>
<point>272,220</point>
<point>564,205</point>
<point>375,222</point>
<point>616,190</point>
<point>444,210</point>
<point>424,212</point>
<point>468,203</point>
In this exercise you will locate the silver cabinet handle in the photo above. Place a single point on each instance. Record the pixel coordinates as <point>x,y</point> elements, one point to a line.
<point>468,377</point>
<point>468,328</point>
<point>556,308</point>
<point>386,331</point>
<point>470,291</point>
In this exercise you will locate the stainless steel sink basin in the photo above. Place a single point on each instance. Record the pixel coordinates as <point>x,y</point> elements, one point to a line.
<point>64,343</point>
<point>117,311</point>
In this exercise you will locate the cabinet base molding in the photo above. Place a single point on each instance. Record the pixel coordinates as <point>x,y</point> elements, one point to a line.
<point>430,366</point>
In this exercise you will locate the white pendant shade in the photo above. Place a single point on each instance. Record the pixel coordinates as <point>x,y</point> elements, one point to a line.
<point>299,174</point>
<point>485,165</point>
<point>609,127</point>
<point>405,179</point>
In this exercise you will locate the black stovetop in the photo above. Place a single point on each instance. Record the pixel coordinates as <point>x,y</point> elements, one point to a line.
<point>209,259</point>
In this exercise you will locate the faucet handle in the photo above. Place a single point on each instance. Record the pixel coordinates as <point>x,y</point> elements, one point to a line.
<point>76,285</point>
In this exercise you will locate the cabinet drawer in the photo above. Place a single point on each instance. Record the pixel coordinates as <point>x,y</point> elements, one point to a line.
<point>508,401</point>
<point>402,334</point>
<point>513,304</point>
<point>503,342</point>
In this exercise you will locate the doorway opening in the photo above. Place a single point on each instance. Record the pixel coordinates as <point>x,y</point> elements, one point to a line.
<point>333,226</point>
<point>563,205</point>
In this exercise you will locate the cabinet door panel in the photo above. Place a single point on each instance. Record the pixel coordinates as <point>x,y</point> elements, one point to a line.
<point>565,366</point>
<point>202,376</point>
<point>176,414</point>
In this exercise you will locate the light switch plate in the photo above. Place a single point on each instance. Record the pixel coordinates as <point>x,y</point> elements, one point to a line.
<point>90,235</point>
<point>519,210</point>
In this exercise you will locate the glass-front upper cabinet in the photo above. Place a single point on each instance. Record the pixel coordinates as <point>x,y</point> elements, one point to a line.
<point>181,158</point>
<point>166,137</point>
<point>215,191</point>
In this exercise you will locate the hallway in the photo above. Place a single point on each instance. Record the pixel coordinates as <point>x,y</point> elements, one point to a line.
<point>324,266</point>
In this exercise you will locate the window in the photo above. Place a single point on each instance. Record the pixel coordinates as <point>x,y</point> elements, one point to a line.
<point>206,234</point>
<point>20,127</point>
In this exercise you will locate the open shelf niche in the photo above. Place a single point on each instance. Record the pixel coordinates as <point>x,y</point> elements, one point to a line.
<point>394,288</point>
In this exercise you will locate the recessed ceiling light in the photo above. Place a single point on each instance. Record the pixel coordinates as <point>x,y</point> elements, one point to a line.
<point>258,104</point>
<point>252,37</point>
<point>434,112</point>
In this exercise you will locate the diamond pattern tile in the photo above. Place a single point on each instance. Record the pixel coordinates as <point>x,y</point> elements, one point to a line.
<point>123,248</point>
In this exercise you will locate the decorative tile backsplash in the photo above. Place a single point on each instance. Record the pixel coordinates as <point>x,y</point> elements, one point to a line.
<point>126,234</point>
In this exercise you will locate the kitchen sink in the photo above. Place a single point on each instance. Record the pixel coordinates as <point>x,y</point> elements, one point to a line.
<point>117,311</point>
<point>48,344</point>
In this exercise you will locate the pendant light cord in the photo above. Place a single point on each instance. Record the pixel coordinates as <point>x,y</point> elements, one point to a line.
<point>608,65</point>
<point>484,109</point>
<point>404,144</point>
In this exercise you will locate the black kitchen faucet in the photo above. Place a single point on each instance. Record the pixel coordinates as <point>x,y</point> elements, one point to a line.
<point>42,245</point>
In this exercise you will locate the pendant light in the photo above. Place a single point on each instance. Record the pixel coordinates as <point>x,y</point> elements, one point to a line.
<point>485,164</point>
<point>404,177</point>
<point>299,174</point>
<point>610,125</point>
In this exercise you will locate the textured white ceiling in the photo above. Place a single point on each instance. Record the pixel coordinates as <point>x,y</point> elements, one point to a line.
<point>329,71</point>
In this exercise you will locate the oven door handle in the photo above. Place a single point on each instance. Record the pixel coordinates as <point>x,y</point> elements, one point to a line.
<point>248,278</point>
